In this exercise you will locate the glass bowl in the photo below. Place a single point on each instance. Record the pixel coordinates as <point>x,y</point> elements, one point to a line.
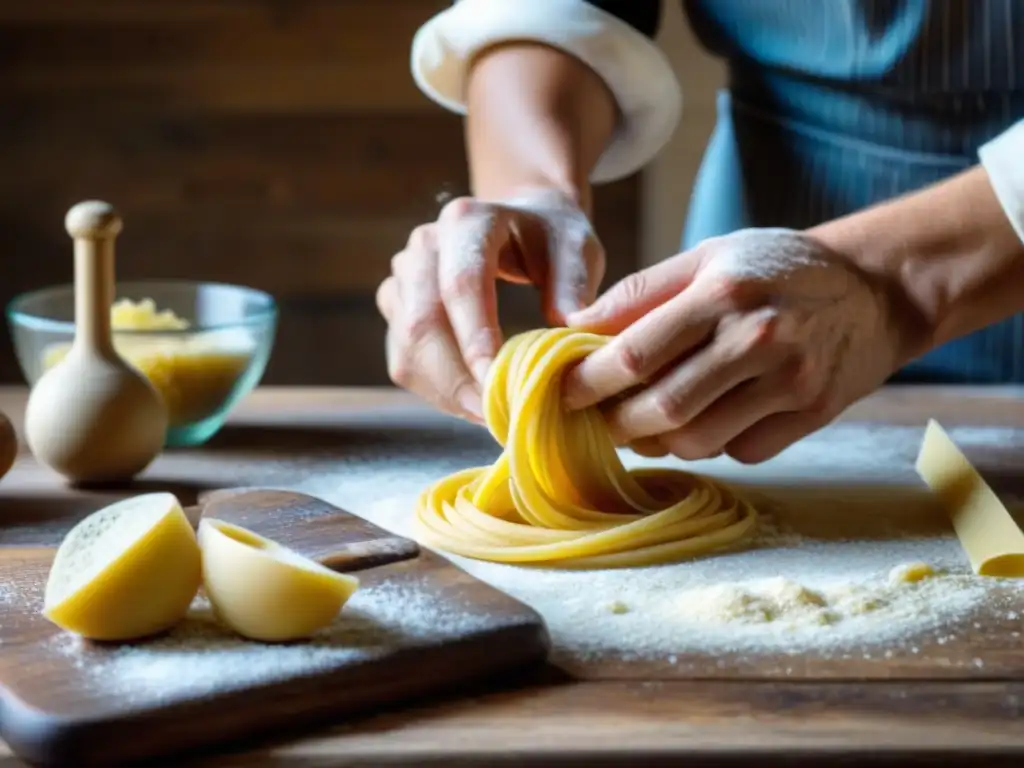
<point>202,371</point>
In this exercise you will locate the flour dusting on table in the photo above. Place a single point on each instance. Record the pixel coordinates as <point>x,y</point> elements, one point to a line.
<point>833,599</point>
<point>6,596</point>
<point>789,593</point>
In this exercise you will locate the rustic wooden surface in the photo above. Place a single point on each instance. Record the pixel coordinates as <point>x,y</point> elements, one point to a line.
<point>56,714</point>
<point>281,145</point>
<point>550,718</point>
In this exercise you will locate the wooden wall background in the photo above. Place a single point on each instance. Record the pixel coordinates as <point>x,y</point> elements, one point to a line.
<point>275,143</point>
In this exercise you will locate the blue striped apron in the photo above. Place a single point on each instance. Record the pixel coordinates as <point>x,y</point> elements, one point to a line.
<point>833,105</point>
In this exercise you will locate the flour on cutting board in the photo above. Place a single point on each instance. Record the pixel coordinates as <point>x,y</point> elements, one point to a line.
<point>806,584</point>
<point>200,656</point>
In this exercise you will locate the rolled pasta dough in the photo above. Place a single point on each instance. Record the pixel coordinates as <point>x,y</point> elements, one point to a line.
<point>559,494</point>
<point>993,541</point>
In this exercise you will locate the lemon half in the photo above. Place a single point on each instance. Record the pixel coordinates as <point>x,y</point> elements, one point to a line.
<point>265,591</point>
<point>126,571</point>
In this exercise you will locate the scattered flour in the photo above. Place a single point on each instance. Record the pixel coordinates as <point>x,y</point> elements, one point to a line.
<point>201,656</point>
<point>789,593</point>
<point>772,600</point>
<point>785,595</point>
<point>743,606</point>
<point>10,594</point>
<point>781,615</point>
<point>6,597</point>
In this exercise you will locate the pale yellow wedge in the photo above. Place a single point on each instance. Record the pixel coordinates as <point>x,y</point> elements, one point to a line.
<point>265,591</point>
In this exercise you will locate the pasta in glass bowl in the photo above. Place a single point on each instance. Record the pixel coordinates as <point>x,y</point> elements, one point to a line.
<point>203,346</point>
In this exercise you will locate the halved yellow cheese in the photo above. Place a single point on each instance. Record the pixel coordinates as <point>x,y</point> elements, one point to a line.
<point>127,571</point>
<point>265,591</point>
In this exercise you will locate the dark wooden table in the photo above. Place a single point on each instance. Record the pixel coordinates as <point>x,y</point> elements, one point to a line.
<point>549,719</point>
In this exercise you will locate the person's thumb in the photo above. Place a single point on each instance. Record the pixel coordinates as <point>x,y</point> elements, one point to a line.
<point>635,295</point>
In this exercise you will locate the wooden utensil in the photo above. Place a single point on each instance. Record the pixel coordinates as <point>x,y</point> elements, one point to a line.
<point>8,444</point>
<point>92,417</point>
<point>341,545</point>
<point>417,624</point>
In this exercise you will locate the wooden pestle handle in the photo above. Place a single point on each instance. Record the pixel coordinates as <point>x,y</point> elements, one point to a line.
<point>94,225</point>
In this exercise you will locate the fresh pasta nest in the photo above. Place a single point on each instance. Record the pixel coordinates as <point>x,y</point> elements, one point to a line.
<point>559,494</point>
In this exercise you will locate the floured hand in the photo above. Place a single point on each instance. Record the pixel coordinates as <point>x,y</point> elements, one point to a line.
<point>741,345</point>
<point>440,301</point>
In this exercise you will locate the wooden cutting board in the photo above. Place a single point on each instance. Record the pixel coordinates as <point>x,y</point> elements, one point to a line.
<point>417,624</point>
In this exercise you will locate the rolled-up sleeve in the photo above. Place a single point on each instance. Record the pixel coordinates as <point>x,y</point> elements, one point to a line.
<point>1003,159</point>
<point>614,38</point>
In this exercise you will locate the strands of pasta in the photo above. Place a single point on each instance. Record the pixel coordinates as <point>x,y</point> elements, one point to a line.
<point>559,495</point>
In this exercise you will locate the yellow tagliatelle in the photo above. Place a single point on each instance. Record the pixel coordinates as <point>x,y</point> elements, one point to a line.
<point>559,495</point>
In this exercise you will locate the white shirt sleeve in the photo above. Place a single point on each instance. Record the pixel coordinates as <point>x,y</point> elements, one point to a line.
<point>635,70</point>
<point>1003,160</point>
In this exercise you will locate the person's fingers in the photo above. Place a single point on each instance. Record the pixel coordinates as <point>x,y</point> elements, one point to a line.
<point>635,295</point>
<point>651,447</point>
<point>453,386</point>
<point>726,418</point>
<point>470,236</point>
<point>681,395</point>
<point>741,351</point>
<point>576,269</point>
<point>423,355</point>
<point>425,369</point>
<point>773,434</point>
<point>387,297</point>
<point>639,353</point>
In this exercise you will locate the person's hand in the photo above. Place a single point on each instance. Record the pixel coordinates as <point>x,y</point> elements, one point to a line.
<point>742,345</point>
<point>440,301</point>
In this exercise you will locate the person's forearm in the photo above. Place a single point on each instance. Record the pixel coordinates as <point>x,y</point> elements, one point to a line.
<point>536,117</point>
<point>949,249</point>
